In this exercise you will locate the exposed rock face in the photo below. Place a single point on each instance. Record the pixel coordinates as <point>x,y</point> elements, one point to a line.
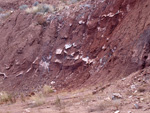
<point>94,42</point>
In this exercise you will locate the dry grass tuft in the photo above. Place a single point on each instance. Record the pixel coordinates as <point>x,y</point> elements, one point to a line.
<point>58,102</point>
<point>104,105</point>
<point>142,88</point>
<point>5,98</point>
<point>41,8</point>
<point>47,89</point>
<point>34,9</point>
<point>37,100</point>
<point>22,97</point>
<point>117,103</point>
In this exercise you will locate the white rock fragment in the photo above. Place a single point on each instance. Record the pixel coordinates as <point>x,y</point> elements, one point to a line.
<point>68,46</point>
<point>49,57</point>
<point>141,99</point>
<point>44,64</point>
<point>58,51</point>
<point>115,48</point>
<point>101,61</point>
<point>7,67</point>
<point>83,34</point>
<point>107,99</point>
<point>35,60</point>
<point>112,50</point>
<point>70,25</point>
<point>104,47</point>
<point>81,57</point>
<point>67,57</point>
<point>133,87</point>
<point>123,79</point>
<point>21,73</point>
<point>27,110</point>
<point>17,62</point>
<point>117,111</point>
<point>1,93</point>
<point>85,6</point>
<point>87,60</point>
<point>136,106</point>
<point>102,1</point>
<point>3,74</point>
<point>101,29</point>
<point>72,54</point>
<point>65,51</point>
<point>74,44</point>
<point>135,91</point>
<point>91,61</point>
<point>76,58</point>
<point>130,96</point>
<point>28,70</point>
<point>81,22</point>
<point>111,14</point>
<point>116,96</point>
<point>58,61</point>
<point>118,12</point>
<point>108,15</point>
<point>52,82</point>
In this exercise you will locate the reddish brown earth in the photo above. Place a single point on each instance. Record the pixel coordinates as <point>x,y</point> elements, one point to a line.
<point>92,42</point>
<point>133,91</point>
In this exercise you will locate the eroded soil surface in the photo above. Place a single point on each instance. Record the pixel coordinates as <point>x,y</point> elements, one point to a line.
<point>72,46</point>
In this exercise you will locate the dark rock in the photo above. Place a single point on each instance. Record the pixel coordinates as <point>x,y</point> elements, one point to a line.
<point>23,7</point>
<point>36,3</point>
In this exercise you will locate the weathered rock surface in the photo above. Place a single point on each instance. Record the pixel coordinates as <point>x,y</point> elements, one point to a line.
<point>93,42</point>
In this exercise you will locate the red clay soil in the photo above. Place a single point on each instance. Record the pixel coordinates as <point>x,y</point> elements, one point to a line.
<point>92,42</point>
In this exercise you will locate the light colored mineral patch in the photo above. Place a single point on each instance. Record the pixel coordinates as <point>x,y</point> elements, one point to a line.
<point>67,46</point>
<point>44,64</point>
<point>58,51</point>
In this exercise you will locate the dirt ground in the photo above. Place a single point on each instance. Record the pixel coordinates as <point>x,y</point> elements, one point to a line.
<point>129,95</point>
